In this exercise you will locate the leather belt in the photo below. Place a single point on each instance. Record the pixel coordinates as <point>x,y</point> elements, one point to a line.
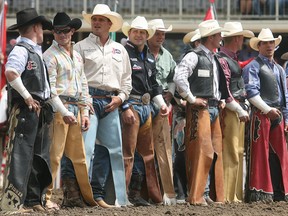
<point>66,99</point>
<point>145,98</point>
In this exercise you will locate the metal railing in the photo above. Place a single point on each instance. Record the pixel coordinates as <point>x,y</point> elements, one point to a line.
<point>166,9</point>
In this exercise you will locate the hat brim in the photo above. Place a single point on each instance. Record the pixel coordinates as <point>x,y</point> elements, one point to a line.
<point>165,29</point>
<point>114,17</point>
<point>245,33</point>
<point>46,24</point>
<point>284,56</point>
<point>75,23</point>
<point>255,40</point>
<point>215,31</point>
<point>126,28</point>
<point>191,37</point>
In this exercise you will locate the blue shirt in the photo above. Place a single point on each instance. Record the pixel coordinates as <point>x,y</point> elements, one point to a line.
<point>252,81</point>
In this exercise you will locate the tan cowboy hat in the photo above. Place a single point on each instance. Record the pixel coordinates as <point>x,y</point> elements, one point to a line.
<point>159,25</point>
<point>284,56</point>
<point>104,10</point>
<point>138,23</point>
<point>209,27</point>
<point>192,36</point>
<point>234,29</point>
<point>264,35</point>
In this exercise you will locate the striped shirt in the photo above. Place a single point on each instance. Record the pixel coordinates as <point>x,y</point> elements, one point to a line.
<point>66,75</point>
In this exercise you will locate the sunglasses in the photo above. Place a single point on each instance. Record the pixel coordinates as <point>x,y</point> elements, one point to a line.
<point>64,31</point>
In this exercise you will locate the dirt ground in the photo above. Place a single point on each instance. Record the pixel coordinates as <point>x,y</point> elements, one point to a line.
<point>240,209</point>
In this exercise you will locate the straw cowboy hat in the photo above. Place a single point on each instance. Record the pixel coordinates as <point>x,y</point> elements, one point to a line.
<point>264,35</point>
<point>235,29</point>
<point>104,10</point>
<point>62,20</point>
<point>209,27</point>
<point>138,23</point>
<point>192,36</point>
<point>159,25</point>
<point>30,16</point>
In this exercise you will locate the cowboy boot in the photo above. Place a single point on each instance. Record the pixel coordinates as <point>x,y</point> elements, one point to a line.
<point>72,195</point>
<point>134,194</point>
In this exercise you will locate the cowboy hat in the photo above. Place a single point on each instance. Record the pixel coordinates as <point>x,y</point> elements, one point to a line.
<point>284,56</point>
<point>104,10</point>
<point>192,36</point>
<point>138,23</point>
<point>159,25</point>
<point>62,20</point>
<point>234,29</point>
<point>30,16</point>
<point>264,35</point>
<point>209,27</point>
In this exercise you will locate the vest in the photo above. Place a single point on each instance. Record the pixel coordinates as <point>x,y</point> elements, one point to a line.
<point>237,86</point>
<point>269,86</point>
<point>201,80</point>
<point>32,77</point>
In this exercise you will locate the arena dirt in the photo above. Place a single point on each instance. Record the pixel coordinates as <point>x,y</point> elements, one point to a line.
<point>239,209</point>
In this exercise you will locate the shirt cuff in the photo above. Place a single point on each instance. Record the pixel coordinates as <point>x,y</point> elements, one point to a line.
<point>158,99</point>
<point>188,97</point>
<point>122,96</point>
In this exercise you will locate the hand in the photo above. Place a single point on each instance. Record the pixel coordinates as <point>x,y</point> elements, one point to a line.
<point>286,128</point>
<point>167,97</point>
<point>85,123</point>
<point>70,119</point>
<point>32,104</point>
<point>222,104</point>
<point>164,111</point>
<point>245,117</point>
<point>91,109</point>
<point>114,104</point>
<point>274,114</point>
<point>128,117</point>
<point>201,102</point>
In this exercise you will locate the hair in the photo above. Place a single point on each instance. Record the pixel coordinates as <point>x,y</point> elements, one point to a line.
<point>228,40</point>
<point>25,29</point>
<point>204,40</point>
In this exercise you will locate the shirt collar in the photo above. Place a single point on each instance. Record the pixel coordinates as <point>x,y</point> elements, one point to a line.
<point>97,39</point>
<point>229,53</point>
<point>36,47</point>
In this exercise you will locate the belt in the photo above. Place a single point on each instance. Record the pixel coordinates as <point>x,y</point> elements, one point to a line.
<point>145,98</point>
<point>213,102</point>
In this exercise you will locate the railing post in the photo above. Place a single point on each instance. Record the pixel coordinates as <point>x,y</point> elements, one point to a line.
<point>85,5</point>
<point>228,9</point>
<point>277,9</point>
<point>181,8</point>
<point>132,8</point>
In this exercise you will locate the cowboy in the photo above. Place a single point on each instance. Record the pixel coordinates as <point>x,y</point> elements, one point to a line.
<point>68,81</point>
<point>27,173</point>
<point>136,115</point>
<point>265,84</point>
<point>201,80</point>
<point>108,72</point>
<point>178,129</point>
<point>165,65</point>
<point>235,114</point>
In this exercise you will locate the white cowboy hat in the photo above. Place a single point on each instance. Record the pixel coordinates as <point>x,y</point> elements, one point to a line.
<point>234,29</point>
<point>264,35</point>
<point>159,25</point>
<point>209,27</point>
<point>104,10</point>
<point>192,36</point>
<point>138,23</point>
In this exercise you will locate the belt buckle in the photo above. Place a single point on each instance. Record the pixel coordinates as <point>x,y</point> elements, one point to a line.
<point>146,98</point>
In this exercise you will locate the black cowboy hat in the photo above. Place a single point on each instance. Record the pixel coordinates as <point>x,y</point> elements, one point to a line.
<point>30,16</point>
<point>61,20</point>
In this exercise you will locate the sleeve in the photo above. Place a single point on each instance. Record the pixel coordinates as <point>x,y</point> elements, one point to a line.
<point>51,64</point>
<point>126,82</point>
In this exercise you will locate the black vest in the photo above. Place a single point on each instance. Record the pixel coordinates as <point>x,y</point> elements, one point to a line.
<point>33,77</point>
<point>237,86</point>
<point>269,86</point>
<point>201,81</point>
